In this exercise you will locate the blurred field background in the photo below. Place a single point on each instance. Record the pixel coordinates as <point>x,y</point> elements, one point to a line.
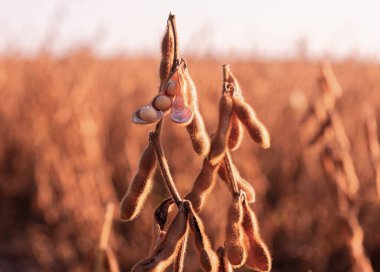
<point>68,147</point>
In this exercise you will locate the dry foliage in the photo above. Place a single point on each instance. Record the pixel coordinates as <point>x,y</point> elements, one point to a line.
<point>68,148</point>
<point>337,162</point>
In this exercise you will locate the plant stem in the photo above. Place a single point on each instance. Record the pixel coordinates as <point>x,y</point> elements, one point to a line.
<point>227,157</point>
<point>154,138</point>
<point>104,237</point>
<point>230,174</point>
<point>226,72</point>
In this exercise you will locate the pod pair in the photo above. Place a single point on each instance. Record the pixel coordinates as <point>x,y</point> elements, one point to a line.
<point>243,114</point>
<point>169,246</point>
<point>244,244</point>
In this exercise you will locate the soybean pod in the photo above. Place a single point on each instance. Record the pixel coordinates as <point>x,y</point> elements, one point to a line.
<point>141,185</point>
<point>255,128</point>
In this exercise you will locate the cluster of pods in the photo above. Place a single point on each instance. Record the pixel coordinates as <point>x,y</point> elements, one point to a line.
<point>178,96</point>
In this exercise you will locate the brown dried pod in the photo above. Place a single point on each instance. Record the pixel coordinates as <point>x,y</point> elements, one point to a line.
<point>167,51</point>
<point>202,185</point>
<point>258,254</point>
<point>241,182</point>
<point>208,258</point>
<point>166,251</point>
<point>138,191</point>
<point>247,188</point>
<point>236,134</point>
<point>219,140</point>
<point>180,259</point>
<point>247,116</point>
<point>235,247</point>
<point>198,134</point>
<point>224,264</point>
<point>196,128</point>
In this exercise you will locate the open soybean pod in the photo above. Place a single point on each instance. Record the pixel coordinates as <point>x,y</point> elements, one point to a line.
<point>258,254</point>
<point>176,88</point>
<point>224,264</point>
<point>208,258</point>
<point>202,185</point>
<point>236,134</point>
<point>196,128</point>
<point>241,182</point>
<point>219,140</point>
<point>235,246</point>
<point>247,116</point>
<point>134,199</point>
<point>166,252</point>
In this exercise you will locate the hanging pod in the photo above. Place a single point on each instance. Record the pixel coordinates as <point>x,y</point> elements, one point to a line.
<point>181,114</point>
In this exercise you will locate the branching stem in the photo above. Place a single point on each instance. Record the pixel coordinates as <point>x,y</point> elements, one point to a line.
<point>230,174</point>
<point>164,167</point>
<point>154,137</point>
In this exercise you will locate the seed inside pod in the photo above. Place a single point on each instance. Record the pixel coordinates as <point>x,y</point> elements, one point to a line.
<point>162,102</point>
<point>173,86</point>
<point>181,114</point>
<point>148,113</point>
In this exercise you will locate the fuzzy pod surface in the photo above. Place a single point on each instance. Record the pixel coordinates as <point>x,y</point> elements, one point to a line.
<point>167,251</point>
<point>235,246</point>
<point>219,141</point>
<point>258,254</point>
<point>141,185</point>
<point>202,185</point>
<point>196,129</point>
<point>167,52</point>
<point>255,128</point>
<point>208,258</point>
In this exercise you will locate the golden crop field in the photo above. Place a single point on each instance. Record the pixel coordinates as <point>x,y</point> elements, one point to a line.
<point>68,148</point>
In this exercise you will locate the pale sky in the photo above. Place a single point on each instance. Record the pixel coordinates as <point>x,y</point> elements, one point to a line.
<point>270,28</point>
